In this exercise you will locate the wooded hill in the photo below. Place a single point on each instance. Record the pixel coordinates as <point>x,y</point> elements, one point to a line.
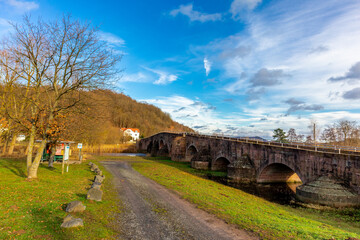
<point>101,114</point>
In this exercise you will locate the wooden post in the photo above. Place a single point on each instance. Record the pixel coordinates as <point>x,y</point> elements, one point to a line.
<point>62,165</point>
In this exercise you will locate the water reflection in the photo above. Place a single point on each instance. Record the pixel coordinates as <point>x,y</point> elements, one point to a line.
<point>282,193</point>
<point>124,154</point>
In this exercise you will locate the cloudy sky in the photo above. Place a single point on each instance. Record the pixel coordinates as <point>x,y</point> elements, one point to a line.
<point>237,67</point>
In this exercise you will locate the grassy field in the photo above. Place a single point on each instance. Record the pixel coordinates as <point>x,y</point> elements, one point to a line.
<point>35,210</point>
<point>266,219</point>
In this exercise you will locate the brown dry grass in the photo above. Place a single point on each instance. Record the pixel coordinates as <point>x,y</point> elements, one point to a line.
<point>109,148</point>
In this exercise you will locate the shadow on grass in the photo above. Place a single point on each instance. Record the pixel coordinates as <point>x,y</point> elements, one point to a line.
<point>44,166</point>
<point>82,196</point>
<point>14,165</point>
<point>46,225</point>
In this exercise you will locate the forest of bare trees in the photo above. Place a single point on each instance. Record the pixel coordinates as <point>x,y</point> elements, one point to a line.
<point>101,114</point>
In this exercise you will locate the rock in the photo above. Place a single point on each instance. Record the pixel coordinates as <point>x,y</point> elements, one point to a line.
<point>75,206</point>
<point>96,185</point>
<point>329,191</point>
<point>98,171</point>
<point>99,179</point>
<point>71,222</point>
<point>94,167</point>
<point>94,194</point>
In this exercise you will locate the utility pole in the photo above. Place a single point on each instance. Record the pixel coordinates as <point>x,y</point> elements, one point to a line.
<point>314,133</point>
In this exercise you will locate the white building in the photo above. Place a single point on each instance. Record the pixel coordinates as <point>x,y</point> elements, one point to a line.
<point>20,138</point>
<point>134,133</point>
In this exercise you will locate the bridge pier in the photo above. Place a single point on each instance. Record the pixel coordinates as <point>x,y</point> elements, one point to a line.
<point>242,170</point>
<point>178,149</point>
<point>241,174</point>
<point>200,165</point>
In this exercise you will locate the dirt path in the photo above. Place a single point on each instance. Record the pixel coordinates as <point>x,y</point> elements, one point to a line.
<point>152,212</point>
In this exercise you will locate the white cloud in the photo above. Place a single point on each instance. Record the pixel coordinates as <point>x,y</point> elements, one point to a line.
<point>279,39</point>
<point>112,39</point>
<point>135,77</point>
<point>207,66</point>
<point>22,6</point>
<point>310,44</point>
<point>238,7</point>
<point>193,15</point>
<point>189,112</point>
<point>261,121</point>
<point>164,77</point>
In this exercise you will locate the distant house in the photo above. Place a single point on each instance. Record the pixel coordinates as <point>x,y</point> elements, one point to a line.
<point>20,138</point>
<point>134,133</point>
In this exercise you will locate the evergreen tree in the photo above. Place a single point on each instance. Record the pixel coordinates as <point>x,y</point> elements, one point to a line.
<point>279,135</point>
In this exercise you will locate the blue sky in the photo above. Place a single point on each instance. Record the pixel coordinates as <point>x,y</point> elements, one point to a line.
<point>238,67</point>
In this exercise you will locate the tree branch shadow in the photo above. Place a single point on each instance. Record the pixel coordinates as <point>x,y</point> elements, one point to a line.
<point>14,166</point>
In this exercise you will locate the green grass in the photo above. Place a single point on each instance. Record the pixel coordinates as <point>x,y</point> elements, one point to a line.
<point>35,210</point>
<point>266,219</point>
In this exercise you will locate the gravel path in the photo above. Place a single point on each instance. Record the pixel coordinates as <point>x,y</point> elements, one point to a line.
<point>152,212</point>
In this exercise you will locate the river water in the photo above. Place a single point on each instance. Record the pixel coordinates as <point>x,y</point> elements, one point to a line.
<point>124,154</point>
<point>282,193</point>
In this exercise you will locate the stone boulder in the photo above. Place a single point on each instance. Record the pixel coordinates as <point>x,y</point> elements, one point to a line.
<point>98,171</point>
<point>71,222</point>
<point>99,179</point>
<point>94,194</point>
<point>96,185</point>
<point>75,206</point>
<point>94,167</point>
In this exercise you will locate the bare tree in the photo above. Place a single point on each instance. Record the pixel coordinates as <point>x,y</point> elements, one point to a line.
<point>345,129</point>
<point>309,139</point>
<point>299,138</point>
<point>292,136</point>
<point>65,57</point>
<point>329,134</point>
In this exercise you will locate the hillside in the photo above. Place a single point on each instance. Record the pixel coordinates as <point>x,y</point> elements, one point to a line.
<point>103,112</point>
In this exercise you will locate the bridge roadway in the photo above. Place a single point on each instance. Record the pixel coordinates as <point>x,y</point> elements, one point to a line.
<point>253,160</point>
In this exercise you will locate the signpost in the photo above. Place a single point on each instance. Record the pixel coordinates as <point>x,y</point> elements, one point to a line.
<point>66,157</point>
<point>80,147</point>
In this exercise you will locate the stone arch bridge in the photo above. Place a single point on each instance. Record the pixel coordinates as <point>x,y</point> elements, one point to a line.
<point>258,161</point>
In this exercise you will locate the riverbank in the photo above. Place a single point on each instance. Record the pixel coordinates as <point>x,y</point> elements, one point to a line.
<point>35,210</point>
<point>266,219</point>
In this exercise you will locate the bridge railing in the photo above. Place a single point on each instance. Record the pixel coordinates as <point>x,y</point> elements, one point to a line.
<point>297,145</point>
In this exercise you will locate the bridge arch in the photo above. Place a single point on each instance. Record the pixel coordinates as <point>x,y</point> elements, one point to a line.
<point>220,164</point>
<point>155,148</point>
<point>163,148</point>
<point>149,147</point>
<point>278,172</point>
<point>161,144</point>
<point>191,153</point>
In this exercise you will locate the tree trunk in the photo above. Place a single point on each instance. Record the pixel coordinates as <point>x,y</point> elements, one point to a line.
<point>12,144</point>
<point>5,145</point>
<point>52,155</point>
<point>27,149</point>
<point>30,148</point>
<point>35,164</point>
